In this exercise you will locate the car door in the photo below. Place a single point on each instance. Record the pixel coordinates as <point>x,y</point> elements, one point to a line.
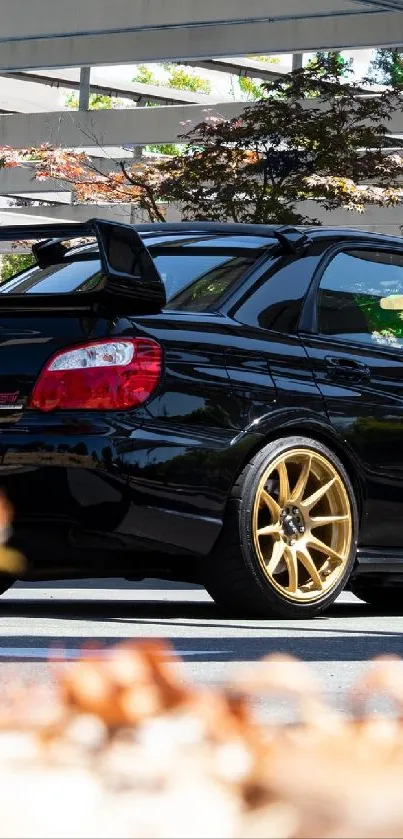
<point>353,334</point>
<point>266,361</point>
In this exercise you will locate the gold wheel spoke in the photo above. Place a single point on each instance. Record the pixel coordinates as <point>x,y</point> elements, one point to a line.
<point>320,546</point>
<point>271,504</point>
<point>284,484</point>
<point>309,565</point>
<point>290,558</point>
<point>277,554</point>
<point>313,499</point>
<point>299,560</point>
<point>319,521</point>
<point>270,530</point>
<point>302,481</point>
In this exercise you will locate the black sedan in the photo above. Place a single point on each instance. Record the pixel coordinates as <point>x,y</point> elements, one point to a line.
<point>207,402</point>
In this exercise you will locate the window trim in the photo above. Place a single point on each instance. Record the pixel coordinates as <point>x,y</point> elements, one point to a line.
<point>308,323</point>
<point>233,300</point>
<point>278,261</point>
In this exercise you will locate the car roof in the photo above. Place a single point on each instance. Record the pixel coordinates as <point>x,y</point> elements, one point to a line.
<point>265,230</point>
<point>185,232</point>
<point>353,233</point>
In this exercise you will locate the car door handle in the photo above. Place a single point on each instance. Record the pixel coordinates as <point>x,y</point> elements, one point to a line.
<point>340,367</point>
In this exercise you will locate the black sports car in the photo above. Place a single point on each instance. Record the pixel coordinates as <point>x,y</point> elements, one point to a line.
<point>208,402</point>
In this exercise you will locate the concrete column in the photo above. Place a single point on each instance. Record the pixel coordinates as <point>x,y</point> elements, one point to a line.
<point>84,96</point>
<point>138,154</point>
<point>137,216</point>
<point>297,60</point>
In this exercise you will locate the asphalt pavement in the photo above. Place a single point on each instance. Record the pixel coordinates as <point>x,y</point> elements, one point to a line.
<point>38,619</point>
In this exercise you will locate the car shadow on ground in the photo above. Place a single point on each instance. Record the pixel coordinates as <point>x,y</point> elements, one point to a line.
<point>210,648</point>
<point>199,610</point>
<point>198,630</point>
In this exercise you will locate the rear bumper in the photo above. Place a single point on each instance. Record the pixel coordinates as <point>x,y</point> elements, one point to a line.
<point>79,497</point>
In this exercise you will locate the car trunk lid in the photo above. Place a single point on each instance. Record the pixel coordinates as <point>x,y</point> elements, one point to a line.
<point>60,302</point>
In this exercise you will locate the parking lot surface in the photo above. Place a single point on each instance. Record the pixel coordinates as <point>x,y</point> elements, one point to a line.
<point>42,620</point>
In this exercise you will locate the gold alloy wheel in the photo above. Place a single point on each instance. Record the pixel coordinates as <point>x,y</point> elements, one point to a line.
<point>302,525</point>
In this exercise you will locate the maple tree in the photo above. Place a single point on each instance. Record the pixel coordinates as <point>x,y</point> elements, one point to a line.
<point>313,135</point>
<point>126,183</point>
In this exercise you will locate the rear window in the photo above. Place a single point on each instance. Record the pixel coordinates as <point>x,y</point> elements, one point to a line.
<point>196,272</point>
<point>55,279</point>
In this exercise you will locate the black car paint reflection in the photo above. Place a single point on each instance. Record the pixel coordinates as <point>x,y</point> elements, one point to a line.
<point>244,362</point>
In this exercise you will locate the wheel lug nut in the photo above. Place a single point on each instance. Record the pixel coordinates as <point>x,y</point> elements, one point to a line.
<point>301,529</point>
<point>292,541</point>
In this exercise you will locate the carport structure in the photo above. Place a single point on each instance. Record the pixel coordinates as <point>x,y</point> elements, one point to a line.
<point>56,33</point>
<point>47,40</point>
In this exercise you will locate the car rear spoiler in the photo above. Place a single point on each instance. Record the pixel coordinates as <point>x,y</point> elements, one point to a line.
<point>128,269</point>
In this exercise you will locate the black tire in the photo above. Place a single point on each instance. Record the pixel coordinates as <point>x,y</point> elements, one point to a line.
<point>382,598</point>
<point>234,577</point>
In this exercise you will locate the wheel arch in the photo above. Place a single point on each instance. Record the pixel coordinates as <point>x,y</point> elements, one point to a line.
<point>321,433</point>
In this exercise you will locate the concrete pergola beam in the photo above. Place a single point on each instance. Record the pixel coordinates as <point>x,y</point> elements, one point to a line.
<point>249,67</point>
<point>65,212</point>
<point>63,198</point>
<point>381,219</point>
<point>18,97</point>
<point>20,180</point>
<point>135,126</point>
<point>50,18</point>
<point>69,79</point>
<point>80,33</point>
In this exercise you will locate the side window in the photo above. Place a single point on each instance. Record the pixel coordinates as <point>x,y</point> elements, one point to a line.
<point>275,302</point>
<point>360,298</point>
<point>214,275</point>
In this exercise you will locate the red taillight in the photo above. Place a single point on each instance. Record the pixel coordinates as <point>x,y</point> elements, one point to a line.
<point>111,374</point>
